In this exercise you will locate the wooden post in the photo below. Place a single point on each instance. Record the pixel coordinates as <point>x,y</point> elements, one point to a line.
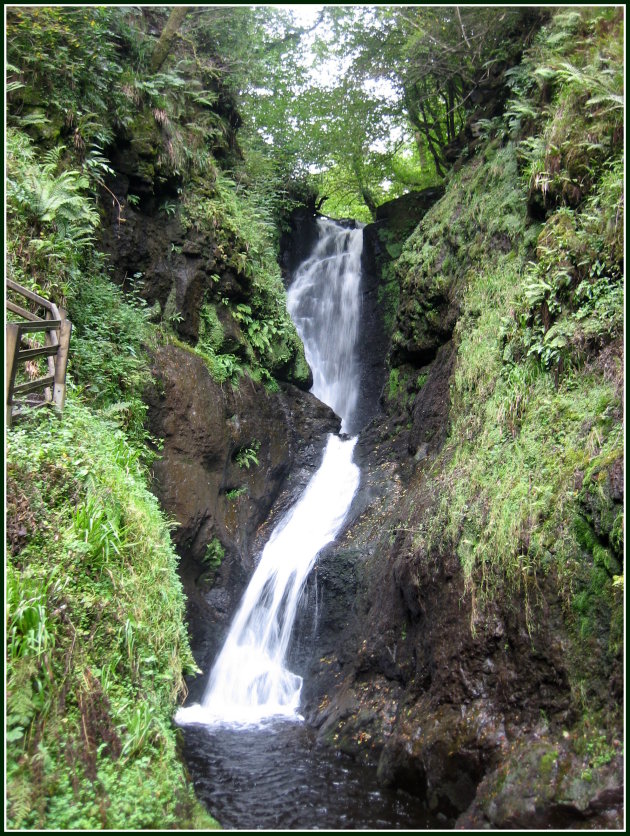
<point>59,390</point>
<point>13,337</point>
<point>50,338</point>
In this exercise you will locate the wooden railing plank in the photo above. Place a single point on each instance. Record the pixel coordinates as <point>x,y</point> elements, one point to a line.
<point>18,309</point>
<point>24,291</point>
<point>42,325</point>
<point>59,391</point>
<point>33,385</point>
<point>40,351</point>
<point>13,341</point>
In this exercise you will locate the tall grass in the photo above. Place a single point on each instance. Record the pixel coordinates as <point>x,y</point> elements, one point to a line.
<point>97,647</point>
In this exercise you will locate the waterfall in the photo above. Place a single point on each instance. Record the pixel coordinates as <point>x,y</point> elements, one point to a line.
<point>249,681</point>
<point>324,303</point>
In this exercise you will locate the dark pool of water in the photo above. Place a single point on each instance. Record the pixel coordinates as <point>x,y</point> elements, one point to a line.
<point>280,778</point>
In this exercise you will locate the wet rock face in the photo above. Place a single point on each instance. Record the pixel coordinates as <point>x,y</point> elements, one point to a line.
<point>297,243</point>
<point>148,247</point>
<point>230,457</point>
<point>430,411</point>
<point>447,696</point>
<point>466,705</point>
<point>406,211</point>
<point>382,242</point>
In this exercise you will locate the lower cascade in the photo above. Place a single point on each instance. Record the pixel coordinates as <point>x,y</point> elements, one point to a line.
<point>250,682</point>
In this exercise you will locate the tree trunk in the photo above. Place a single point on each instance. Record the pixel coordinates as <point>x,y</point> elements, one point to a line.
<point>418,118</point>
<point>435,146</point>
<point>163,46</point>
<point>366,194</point>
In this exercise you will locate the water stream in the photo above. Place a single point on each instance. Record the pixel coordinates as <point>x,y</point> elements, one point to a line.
<point>250,681</point>
<point>252,760</point>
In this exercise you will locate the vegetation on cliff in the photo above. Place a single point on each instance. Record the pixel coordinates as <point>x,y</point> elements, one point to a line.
<point>527,248</point>
<point>139,201</point>
<point>520,264</point>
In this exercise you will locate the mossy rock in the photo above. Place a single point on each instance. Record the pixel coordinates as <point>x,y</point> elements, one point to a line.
<point>544,784</point>
<point>146,138</point>
<point>601,498</point>
<point>288,363</point>
<point>300,372</point>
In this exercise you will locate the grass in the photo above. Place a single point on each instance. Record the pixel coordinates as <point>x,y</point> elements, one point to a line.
<point>97,647</point>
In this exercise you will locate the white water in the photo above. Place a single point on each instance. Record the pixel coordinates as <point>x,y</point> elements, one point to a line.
<point>325,304</point>
<point>249,682</point>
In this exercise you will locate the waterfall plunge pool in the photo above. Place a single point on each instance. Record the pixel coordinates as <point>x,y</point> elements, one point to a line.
<point>278,777</point>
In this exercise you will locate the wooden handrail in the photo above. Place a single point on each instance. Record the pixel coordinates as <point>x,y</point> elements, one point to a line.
<point>34,297</point>
<point>34,385</point>
<point>56,329</point>
<point>41,325</point>
<point>20,311</point>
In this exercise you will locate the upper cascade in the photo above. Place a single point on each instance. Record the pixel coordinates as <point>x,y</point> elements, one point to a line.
<point>324,301</point>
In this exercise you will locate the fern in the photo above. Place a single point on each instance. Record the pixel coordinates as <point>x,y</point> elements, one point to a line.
<point>19,796</point>
<point>56,201</point>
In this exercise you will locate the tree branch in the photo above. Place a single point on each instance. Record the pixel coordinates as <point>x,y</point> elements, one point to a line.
<point>459,17</point>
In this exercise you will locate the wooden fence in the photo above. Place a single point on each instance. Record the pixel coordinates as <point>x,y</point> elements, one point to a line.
<point>56,330</point>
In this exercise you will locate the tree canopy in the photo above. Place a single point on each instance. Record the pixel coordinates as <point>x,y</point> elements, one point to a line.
<point>363,100</point>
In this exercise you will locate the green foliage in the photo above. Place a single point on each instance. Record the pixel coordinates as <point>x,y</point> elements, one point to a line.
<point>211,332</point>
<point>45,199</point>
<point>245,243</point>
<point>234,493</point>
<point>345,133</point>
<point>53,52</point>
<point>51,218</point>
<point>214,554</point>
<point>96,647</point>
<point>518,440</point>
<point>110,337</point>
<point>571,301</point>
<point>394,383</point>
<point>245,457</point>
<point>570,85</point>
